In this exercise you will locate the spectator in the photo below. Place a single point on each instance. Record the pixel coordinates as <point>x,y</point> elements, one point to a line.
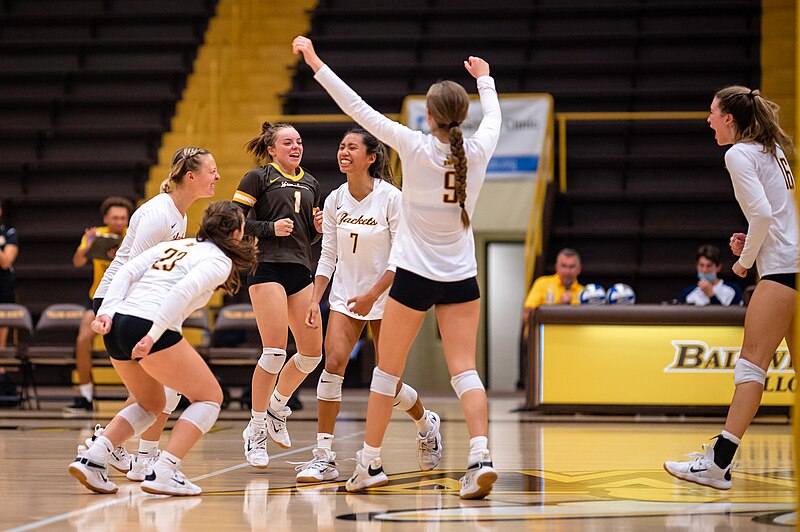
<point>710,289</point>
<point>561,288</point>
<point>9,248</point>
<point>116,212</point>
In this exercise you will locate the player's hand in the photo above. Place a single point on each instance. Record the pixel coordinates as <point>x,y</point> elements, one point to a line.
<point>284,227</point>
<point>101,324</point>
<point>739,270</point>
<point>312,316</point>
<point>303,45</point>
<point>318,219</point>
<point>566,299</point>
<point>142,347</point>
<point>737,243</point>
<point>476,66</point>
<point>361,304</point>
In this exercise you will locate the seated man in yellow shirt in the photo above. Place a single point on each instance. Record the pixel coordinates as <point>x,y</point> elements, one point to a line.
<point>116,212</point>
<point>562,288</point>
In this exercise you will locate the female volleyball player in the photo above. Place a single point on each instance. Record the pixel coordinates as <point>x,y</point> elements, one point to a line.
<point>359,223</point>
<point>192,175</point>
<point>434,253</point>
<point>287,221</point>
<point>764,187</point>
<point>141,315</point>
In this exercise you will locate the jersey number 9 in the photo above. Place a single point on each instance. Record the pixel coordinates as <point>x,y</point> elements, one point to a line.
<point>450,187</point>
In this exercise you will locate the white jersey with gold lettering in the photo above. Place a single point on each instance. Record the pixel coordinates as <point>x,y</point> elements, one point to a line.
<point>157,220</point>
<point>167,282</point>
<point>764,187</point>
<point>356,240</point>
<point>431,241</point>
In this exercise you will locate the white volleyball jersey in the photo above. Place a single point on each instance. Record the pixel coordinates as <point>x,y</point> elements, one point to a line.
<point>167,282</point>
<point>157,220</point>
<point>764,187</point>
<point>356,240</point>
<point>431,241</point>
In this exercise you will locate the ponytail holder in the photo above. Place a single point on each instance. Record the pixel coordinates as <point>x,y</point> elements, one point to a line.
<point>751,95</point>
<point>461,204</point>
<point>451,125</point>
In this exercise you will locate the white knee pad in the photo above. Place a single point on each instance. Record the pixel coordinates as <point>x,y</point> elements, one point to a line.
<point>466,381</point>
<point>746,371</point>
<point>201,414</point>
<point>139,418</point>
<point>383,383</point>
<point>329,387</point>
<point>306,364</point>
<point>405,398</point>
<point>173,398</point>
<point>272,359</point>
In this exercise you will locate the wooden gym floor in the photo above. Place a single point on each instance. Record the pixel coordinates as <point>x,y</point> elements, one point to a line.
<point>556,473</point>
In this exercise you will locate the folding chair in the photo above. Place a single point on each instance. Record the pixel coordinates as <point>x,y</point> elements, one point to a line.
<point>235,343</point>
<point>200,321</point>
<point>18,319</point>
<point>53,341</point>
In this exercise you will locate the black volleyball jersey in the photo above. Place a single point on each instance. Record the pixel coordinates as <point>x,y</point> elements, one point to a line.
<point>274,195</point>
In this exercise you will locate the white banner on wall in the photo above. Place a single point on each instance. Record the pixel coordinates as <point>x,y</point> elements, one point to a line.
<point>525,120</point>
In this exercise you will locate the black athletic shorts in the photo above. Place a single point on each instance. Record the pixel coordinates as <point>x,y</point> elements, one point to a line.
<point>96,302</point>
<point>125,333</point>
<point>419,293</point>
<point>786,279</point>
<point>293,277</point>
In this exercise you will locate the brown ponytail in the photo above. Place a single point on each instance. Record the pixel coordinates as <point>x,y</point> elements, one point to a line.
<point>259,145</point>
<point>448,104</point>
<point>756,118</point>
<point>220,220</point>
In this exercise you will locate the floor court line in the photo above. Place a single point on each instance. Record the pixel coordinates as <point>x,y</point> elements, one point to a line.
<point>100,506</point>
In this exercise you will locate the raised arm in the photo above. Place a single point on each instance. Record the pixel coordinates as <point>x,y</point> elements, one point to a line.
<point>388,131</point>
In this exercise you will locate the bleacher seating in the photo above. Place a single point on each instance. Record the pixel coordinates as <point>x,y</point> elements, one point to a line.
<point>88,88</point>
<point>641,195</point>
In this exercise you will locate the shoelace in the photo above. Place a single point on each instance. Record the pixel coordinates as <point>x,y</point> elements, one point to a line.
<point>178,476</point>
<point>427,444</point>
<point>701,457</point>
<point>318,464</point>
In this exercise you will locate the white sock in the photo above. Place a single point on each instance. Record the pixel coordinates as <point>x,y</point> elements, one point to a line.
<point>87,391</point>
<point>325,440</point>
<point>258,419</point>
<point>100,450</point>
<point>147,447</point>
<point>477,446</point>
<point>731,438</point>
<point>170,460</point>
<point>277,401</point>
<point>369,453</point>
<point>424,424</point>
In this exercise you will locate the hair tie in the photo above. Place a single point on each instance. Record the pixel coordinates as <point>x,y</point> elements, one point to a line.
<point>453,124</point>
<point>751,95</point>
<point>461,204</point>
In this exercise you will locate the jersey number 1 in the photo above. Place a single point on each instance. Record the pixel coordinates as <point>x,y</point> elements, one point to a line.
<point>297,198</point>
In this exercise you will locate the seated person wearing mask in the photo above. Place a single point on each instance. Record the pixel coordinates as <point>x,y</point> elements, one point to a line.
<point>710,289</point>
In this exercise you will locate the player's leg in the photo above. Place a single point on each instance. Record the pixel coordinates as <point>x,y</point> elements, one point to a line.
<point>271,311</point>
<point>769,316</point>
